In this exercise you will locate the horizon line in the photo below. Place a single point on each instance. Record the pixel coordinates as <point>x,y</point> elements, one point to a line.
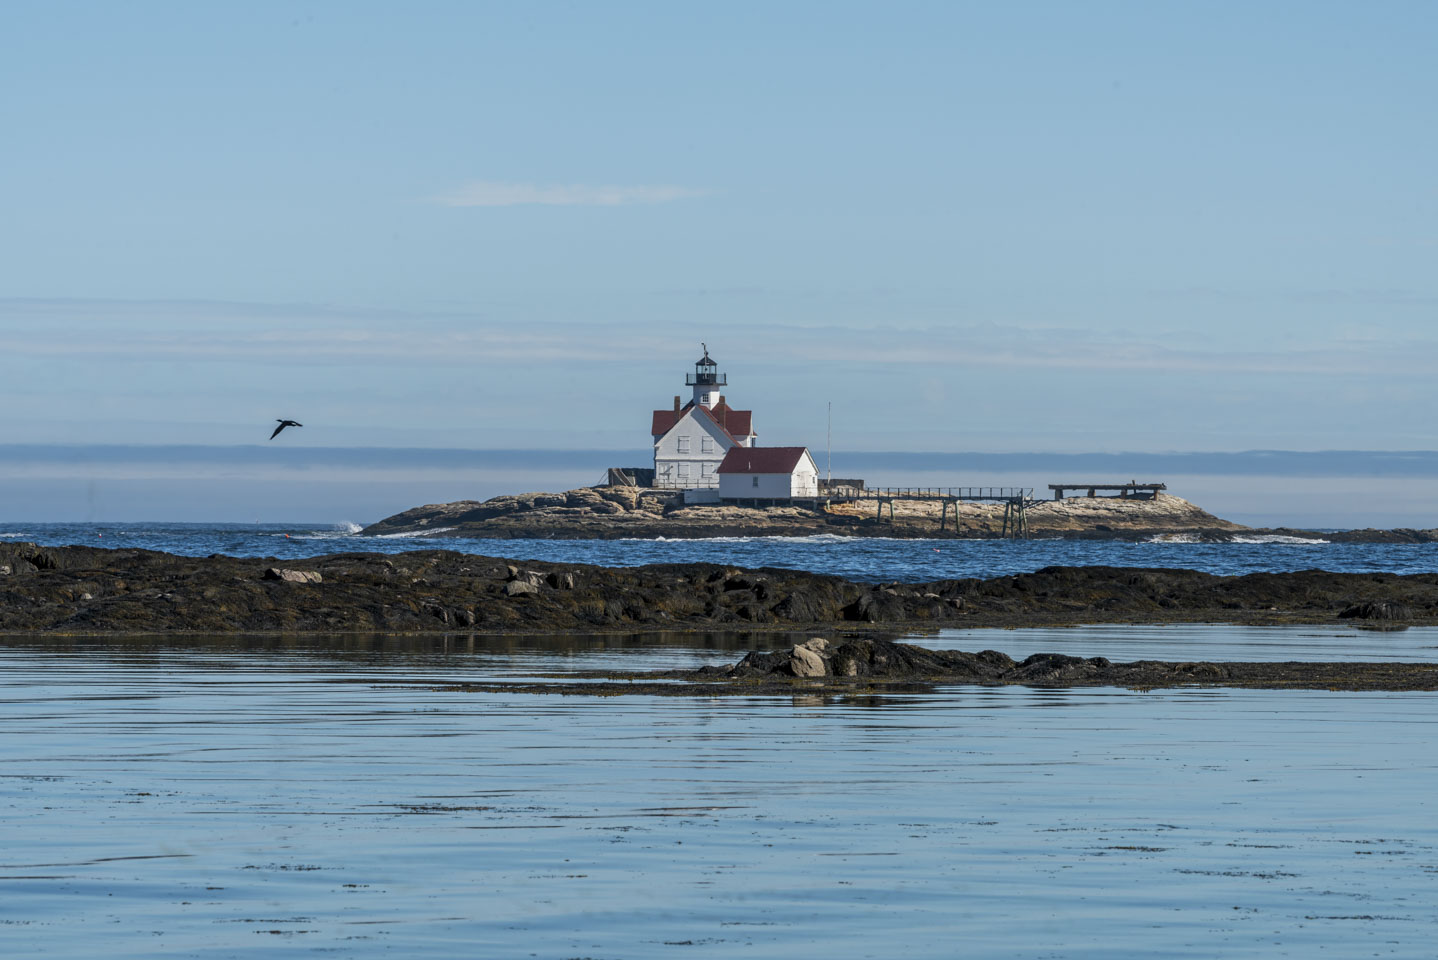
<point>571,451</point>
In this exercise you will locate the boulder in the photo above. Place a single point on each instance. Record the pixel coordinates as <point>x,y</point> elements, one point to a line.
<point>1377,610</point>
<point>626,498</point>
<point>293,576</point>
<point>804,661</point>
<point>532,577</point>
<point>807,659</point>
<point>583,497</point>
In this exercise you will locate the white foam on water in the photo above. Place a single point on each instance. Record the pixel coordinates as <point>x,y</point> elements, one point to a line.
<point>818,538</point>
<point>342,529</point>
<point>413,535</point>
<point>1270,538</point>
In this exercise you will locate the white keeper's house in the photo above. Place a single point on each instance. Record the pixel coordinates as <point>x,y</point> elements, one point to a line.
<point>767,475</point>
<point>691,440</point>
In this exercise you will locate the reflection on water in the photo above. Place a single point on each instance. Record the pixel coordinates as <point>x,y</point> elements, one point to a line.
<point>667,651</point>
<point>1200,641</point>
<point>224,801</point>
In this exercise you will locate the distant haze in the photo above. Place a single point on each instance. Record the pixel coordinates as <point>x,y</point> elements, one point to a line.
<point>363,484</point>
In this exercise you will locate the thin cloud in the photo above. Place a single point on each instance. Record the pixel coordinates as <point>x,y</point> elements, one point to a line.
<point>493,193</point>
<point>297,335</point>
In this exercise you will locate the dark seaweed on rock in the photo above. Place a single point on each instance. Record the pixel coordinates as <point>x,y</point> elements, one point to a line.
<point>1377,610</point>
<point>93,590</point>
<point>871,660</point>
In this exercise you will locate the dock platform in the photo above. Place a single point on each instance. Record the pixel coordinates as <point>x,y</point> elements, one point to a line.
<point>1126,491</point>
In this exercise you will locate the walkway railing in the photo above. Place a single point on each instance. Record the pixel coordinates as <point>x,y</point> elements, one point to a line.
<point>944,493</point>
<point>686,483</point>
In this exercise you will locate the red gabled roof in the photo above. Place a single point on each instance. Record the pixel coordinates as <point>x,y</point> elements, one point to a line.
<point>664,421</point>
<point>762,459</point>
<point>737,423</point>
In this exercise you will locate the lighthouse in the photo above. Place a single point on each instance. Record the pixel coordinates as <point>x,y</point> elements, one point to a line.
<point>706,380</point>
<point>690,440</point>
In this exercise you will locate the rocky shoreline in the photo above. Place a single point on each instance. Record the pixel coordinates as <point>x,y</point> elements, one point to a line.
<point>88,590</point>
<point>611,513</point>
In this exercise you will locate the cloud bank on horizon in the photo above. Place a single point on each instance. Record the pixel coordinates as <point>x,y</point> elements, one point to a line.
<point>185,372</point>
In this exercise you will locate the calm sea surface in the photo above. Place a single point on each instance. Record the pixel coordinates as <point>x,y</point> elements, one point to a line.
<point>295,797</point>
<point>228,799</point>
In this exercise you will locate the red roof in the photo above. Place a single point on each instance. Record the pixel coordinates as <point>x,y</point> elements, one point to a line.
<point>762,459</point>
<point>737,423</point>
<point>664,421</point>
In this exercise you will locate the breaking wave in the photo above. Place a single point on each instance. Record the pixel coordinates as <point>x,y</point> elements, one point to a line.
<point>818,538</point>
<point>413,535</point>
<point>1261,538</point>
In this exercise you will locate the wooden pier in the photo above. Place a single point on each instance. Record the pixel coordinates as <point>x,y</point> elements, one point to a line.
<point>1016,501</point>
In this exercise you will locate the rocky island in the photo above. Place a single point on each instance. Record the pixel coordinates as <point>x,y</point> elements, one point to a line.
<point>617,512</point>
<point>611,513</point>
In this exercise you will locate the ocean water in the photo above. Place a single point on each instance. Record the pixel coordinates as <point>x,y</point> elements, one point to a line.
<point>857,558</point>
<point>234,797</point>
<point>222,799</point>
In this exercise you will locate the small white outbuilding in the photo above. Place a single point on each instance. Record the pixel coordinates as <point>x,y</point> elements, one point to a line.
<point>767,474</point>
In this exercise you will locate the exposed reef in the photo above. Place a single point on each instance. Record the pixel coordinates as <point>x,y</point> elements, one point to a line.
<point>870,664</point>
<point>87,590</point>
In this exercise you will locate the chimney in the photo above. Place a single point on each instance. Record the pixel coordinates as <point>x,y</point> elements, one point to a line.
<point>676,404</point>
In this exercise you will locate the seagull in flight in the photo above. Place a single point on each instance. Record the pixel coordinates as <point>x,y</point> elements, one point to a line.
<point>283,424</point>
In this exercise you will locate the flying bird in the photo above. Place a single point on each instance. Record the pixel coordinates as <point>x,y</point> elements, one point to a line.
<point>283,424</point>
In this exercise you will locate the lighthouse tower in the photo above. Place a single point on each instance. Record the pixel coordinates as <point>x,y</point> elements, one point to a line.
<point>706,381</point>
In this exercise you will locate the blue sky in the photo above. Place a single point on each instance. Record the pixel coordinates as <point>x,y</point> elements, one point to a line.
<point>994,227</point>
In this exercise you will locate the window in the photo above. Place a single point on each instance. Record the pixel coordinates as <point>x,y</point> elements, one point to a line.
<point>756,481</point>
<point>706,445</point>
<point>683,444</point>
<point>683,469</point>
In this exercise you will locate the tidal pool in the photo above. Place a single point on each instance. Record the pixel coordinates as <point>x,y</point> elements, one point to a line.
<point>223,799</point>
